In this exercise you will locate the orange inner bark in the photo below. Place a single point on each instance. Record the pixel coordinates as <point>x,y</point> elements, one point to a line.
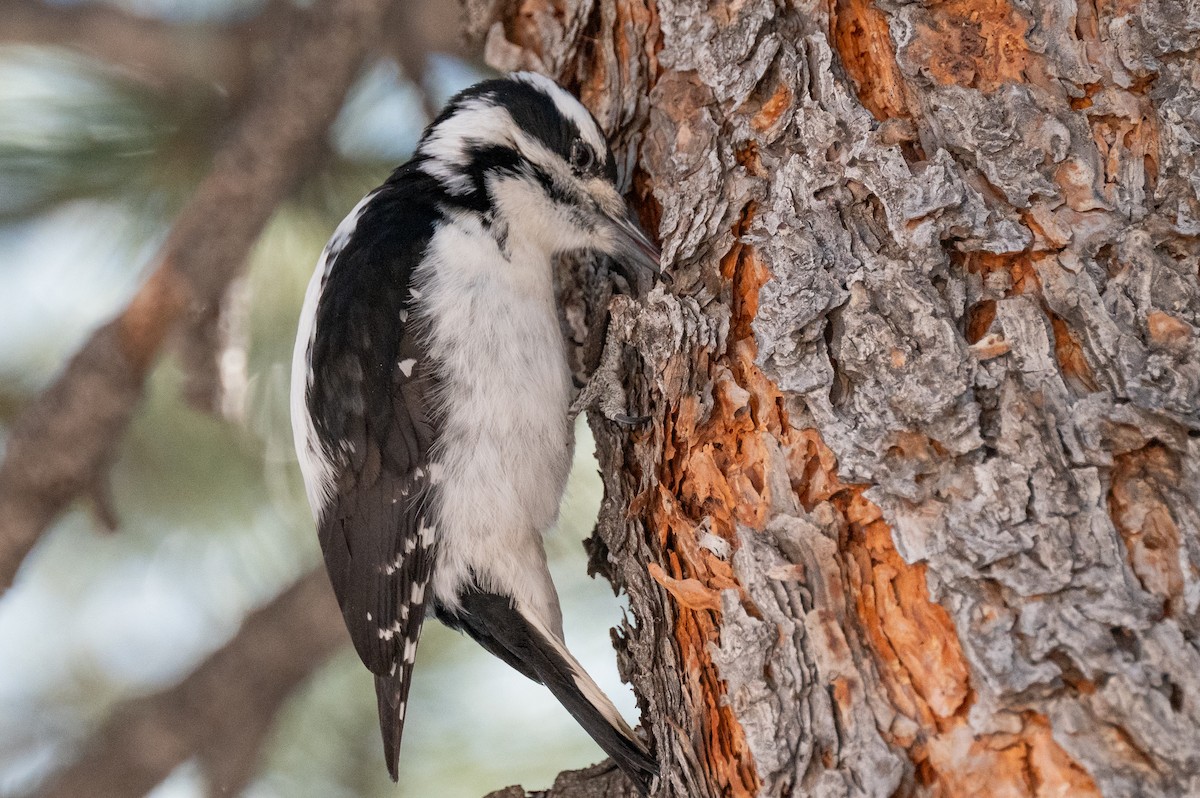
<point>716,471</point>
<point>714,468</point>
<point>859,33</point>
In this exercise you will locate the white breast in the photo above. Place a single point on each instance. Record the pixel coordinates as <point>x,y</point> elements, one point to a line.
<point>505,446</point>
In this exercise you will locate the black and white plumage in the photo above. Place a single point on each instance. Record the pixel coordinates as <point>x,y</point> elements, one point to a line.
<point>430,392</point>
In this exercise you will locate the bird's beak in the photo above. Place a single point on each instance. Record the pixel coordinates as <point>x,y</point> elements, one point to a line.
<point>633,249</point>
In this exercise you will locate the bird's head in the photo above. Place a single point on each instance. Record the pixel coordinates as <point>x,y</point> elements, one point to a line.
<point>524,151</point>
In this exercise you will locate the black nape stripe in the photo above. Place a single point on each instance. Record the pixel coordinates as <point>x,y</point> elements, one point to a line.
<point>537,115</point>
<point>534,112</point>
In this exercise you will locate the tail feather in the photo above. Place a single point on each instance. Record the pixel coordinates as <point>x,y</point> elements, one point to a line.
<point>391,693</point>
<point>531,648</point>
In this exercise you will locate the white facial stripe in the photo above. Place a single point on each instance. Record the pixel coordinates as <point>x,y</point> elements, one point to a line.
<point>538,153</point>
<point>569,107</point>
<point>477,120</point>
<point>480,121</point>
<point>597,189</point>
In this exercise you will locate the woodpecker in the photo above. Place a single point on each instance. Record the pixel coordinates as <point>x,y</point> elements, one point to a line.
<point>431,392</point>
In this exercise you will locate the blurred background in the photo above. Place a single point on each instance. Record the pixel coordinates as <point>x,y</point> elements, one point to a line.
<point>109,116</point>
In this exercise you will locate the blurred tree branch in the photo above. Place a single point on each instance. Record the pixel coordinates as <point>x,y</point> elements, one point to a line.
<point>61,446</point>
<point>222,57</point>
<point>161,55</point>
<point>221,713</point>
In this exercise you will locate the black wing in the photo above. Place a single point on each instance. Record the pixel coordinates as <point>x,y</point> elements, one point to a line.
<point>371,402</point>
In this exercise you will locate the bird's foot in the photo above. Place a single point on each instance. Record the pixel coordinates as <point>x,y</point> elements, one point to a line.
<point>605,390</point>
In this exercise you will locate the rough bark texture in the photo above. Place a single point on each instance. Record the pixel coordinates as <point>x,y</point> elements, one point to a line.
<point>918,511</point>
<point>598,781</point>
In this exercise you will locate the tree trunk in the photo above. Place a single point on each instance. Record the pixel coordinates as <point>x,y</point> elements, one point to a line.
<point>917,511</point>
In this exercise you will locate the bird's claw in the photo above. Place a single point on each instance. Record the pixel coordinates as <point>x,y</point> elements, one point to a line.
<point>604,389</point>
<point>629,421</point>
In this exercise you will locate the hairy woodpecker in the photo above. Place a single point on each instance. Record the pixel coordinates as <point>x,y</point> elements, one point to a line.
<point>430,392</point>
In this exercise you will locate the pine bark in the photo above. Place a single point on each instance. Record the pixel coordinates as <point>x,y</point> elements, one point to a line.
<point>917,510</point>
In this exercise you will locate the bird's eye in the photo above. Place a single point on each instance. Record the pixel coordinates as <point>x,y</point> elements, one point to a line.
<point>582,157</point>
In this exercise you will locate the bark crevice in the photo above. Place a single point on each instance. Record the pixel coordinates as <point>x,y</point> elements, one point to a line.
<point>928,375</point>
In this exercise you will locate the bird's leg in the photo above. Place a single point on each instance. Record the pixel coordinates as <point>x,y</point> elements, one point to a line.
<point>604,389</point>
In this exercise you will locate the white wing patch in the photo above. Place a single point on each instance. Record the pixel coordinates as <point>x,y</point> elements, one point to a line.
<point>315,463</point>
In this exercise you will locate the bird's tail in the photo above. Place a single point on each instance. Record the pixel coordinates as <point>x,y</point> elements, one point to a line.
<point>530,647</point>
<point>391,693</point>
